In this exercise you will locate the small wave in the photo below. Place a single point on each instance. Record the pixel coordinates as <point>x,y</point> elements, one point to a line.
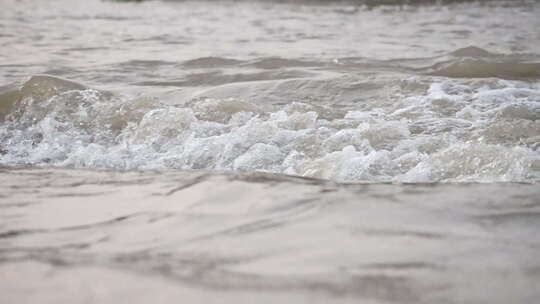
<point>473,62</point>
<point>472,51</point>
<point>278,62</point>
<point>217,78</point>
<point>145,64</point>
<point>478,68</point>
<point>37,87</point>
<point>210,62</point>
<point>267,63</point>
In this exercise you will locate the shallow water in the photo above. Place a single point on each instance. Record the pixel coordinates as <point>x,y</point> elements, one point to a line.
<point>260,152</point>
<point>79,236</point>
<point>451,93</point>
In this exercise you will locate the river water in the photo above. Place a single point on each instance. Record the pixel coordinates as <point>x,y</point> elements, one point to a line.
<point>347,93</point>
<point>262,111</point>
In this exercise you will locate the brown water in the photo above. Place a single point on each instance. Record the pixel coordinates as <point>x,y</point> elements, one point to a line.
<point>79,236</point>
<point>341,92</point>
<point>212,106</point>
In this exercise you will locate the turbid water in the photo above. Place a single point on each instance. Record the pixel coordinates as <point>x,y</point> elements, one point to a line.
<point>211,151</point>
<point>86,236</point>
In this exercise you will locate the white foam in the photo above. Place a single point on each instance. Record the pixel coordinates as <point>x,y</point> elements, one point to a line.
<point>448,133</point>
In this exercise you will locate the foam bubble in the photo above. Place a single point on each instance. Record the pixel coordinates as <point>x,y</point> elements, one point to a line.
<point>450,131</point>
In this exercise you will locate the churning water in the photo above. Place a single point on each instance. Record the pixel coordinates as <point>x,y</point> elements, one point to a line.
<point>346,93</point>
<point>261,152</point>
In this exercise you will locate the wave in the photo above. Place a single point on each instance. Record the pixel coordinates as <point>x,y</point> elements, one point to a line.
<point>468,62</point>
<point>450,132</point>
<point>473,62</point>
<point>483,69</point>
<point>214,73</point>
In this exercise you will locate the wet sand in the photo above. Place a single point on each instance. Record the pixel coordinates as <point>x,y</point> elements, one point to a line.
<point>100,236</point>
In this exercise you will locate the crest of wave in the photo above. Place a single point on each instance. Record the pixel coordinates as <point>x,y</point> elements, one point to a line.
<point>452,132</point>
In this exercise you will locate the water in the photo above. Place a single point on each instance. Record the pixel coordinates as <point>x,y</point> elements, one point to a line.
<point>199,147</point>
<point>322,91</point>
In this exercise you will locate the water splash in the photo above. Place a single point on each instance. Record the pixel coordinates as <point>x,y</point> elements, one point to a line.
<point>451,132</point>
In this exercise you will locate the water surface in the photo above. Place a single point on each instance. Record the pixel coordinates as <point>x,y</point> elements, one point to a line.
<point>261,152</point>
<point>414,93</point>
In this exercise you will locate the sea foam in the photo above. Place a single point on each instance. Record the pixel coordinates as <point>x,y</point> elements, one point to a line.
<point>452,131</point>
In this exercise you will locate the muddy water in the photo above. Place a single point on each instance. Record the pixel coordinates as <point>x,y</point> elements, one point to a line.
<point>238,122</point>
<point>169,236</point>
<point>342,92</point>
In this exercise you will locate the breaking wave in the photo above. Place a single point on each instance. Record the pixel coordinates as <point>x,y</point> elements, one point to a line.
<point>485,130</point>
